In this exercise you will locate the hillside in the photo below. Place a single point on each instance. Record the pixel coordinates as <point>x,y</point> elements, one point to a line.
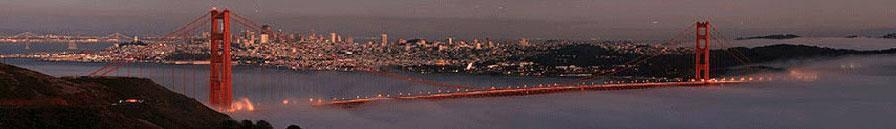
<point>30,99</point>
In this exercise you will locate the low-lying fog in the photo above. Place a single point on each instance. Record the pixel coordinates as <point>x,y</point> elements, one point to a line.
<point>847,92</point>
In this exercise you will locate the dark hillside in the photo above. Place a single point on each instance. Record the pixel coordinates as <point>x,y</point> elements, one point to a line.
<point>33,100</point>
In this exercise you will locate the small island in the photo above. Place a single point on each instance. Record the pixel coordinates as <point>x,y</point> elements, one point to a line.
<point>777,36</point>
<point>889,36</point>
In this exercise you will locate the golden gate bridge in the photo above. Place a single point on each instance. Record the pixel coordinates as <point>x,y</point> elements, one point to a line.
<point>220,62</point>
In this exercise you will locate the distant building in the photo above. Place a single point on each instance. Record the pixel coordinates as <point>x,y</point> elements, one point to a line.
<point>249,36</point>
<point>524,42</point>
<point>450,41</point>
<point>339,38</point>
<point>332,37</point>
<point>265,38</point>
<point>265,29</point>
<point>385,39</point>
<point>421,42</point>
<point>490,44</point>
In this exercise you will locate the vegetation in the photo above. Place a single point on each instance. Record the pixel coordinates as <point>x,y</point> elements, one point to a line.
<point>247,124</point>
<point>95,104</point>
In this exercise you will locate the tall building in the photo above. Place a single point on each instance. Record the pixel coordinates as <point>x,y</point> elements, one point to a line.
<point>490,44</point>
<point>265,29</point>
<point>265,38</point>
<point>339,38</point>
<point>276,37</point>
<point>450,41</point>
<point>385,39</point>
<point>524,42</point>
<point>421,42</point>
<point>249,36</point>
<point>332,37</point>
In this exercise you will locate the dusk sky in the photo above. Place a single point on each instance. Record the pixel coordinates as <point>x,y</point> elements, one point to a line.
<point>510,19</point>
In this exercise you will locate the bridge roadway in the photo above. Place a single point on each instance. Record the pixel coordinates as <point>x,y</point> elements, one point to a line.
<point>525,91</point>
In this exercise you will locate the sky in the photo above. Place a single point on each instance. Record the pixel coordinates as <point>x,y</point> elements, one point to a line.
<point>497,19</point>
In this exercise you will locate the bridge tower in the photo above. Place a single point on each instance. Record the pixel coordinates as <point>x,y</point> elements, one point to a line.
<point>220,85</point>
<point>702,52</point>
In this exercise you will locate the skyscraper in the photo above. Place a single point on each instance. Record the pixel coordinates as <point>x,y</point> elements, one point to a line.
<point>265,36</point>
<point>524,42</point>
<point>349,40</point>
<point>339,38</point>
<point>385,39</point>
<point>332,37</point>
<point>450,41</point>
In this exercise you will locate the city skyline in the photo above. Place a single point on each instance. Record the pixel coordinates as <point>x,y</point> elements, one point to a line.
<point>466,19</point>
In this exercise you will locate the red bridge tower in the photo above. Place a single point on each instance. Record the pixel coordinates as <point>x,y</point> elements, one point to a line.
<point>220,85</point>
<point>702,52</point>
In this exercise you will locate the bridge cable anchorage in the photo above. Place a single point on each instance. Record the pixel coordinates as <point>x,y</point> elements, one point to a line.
<point>117,60</point>
<point>676,40</point>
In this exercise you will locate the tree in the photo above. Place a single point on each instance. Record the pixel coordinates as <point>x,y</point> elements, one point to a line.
<point>293,127</point>
<point>261,124</point>
<point>230,124</point>
<point>246,124</point>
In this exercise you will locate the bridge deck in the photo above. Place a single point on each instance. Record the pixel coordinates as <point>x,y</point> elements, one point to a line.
<point>521,91</point>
